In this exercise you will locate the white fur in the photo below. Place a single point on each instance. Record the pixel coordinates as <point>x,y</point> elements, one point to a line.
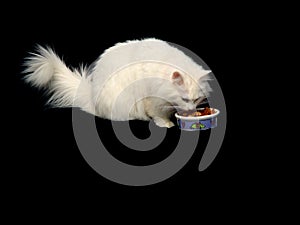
<point>131,80</point>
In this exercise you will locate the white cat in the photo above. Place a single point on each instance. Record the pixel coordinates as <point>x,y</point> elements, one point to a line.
<point>142,80</point>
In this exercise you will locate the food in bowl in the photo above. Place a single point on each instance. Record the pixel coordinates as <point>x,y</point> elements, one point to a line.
<point>201,119</point>
<point>199,112</point>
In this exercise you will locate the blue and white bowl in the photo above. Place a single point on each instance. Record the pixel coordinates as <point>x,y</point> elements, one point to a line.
<point>190,123</point>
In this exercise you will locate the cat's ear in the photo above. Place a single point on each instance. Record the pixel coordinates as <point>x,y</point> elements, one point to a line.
<point>177,78</point>
<point>202,74</point>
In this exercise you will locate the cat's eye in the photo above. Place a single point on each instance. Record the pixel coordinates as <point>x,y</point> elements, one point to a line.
<point>196,100</point>
<point>185,99</point>
<point>200,101</point>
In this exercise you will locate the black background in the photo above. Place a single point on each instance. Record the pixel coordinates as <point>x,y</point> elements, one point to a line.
<point>50,168</point>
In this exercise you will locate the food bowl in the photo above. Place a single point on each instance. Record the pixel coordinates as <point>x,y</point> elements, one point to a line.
<point>193,123</point>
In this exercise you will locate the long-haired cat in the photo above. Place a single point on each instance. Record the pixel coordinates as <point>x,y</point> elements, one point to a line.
<point>143,80</point>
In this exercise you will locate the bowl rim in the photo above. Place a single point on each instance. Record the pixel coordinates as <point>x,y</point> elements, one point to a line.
<point>199,117</point>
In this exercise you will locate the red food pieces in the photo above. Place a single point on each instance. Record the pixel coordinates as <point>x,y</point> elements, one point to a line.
<point>207,111</point>
<point>202,112</point>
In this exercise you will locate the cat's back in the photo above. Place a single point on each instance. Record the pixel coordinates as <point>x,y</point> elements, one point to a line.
<point>130,52</point>
<point>138,51</point>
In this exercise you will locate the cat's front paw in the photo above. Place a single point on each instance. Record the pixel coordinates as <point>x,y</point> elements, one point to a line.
<point>163,123</point>
<point>170,124</point>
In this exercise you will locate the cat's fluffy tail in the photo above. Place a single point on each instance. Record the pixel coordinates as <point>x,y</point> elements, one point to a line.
<point>68,88</point>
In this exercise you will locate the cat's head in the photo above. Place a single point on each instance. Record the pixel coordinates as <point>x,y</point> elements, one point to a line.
<point>186,92</point>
